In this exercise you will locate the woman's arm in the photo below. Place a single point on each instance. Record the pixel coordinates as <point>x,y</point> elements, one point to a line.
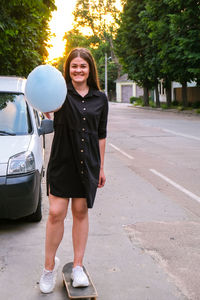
<point>102,178</point>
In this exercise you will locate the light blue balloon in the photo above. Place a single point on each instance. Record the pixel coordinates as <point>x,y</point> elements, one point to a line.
<point>45,88</point>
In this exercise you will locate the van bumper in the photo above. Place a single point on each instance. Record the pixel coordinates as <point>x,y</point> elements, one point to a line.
<point>19,195</point>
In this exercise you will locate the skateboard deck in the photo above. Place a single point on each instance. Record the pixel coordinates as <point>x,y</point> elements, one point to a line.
<point>88,292</point>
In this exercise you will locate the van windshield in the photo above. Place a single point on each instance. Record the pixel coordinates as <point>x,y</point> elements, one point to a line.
<point>14,115</point>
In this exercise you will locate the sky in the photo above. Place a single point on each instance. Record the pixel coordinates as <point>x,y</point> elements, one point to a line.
<point>60,23</point>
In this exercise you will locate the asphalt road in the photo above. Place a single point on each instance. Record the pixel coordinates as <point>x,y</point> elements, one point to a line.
<point>144,228</point>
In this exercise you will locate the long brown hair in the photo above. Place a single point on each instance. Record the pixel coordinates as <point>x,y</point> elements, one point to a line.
<point>93,80</point>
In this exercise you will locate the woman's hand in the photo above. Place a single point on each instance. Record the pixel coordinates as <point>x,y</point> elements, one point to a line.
<point>102,179</point>
<point>48,115</point>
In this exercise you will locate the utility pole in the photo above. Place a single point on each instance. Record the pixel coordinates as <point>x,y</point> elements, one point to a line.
<point>106,74</point>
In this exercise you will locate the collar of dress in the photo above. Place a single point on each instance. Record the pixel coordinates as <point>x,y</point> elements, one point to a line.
<point>92,91</point>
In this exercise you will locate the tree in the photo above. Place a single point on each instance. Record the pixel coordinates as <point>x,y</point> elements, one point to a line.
<point>174,29</point>
<point>112,67</point>
<point>157,21</point>
<point>185,37</point>
<point>24,35</point>
<point>160,40</point>
<point>132,46</point>
<point>99,18</point>
<point>94,28</point>
<point>151,57</point>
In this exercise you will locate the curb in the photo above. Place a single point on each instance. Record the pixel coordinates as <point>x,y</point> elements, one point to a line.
<point>169,110</point>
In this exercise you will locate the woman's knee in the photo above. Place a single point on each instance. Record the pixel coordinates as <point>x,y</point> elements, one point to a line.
<point>56,216</point>
<point>57,210</point>
<point>79,209</point>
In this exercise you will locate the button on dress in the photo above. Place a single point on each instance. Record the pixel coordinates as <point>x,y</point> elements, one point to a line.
<point>74,164</point>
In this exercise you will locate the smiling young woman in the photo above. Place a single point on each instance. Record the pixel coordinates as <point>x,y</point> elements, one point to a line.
<point>76,164</point>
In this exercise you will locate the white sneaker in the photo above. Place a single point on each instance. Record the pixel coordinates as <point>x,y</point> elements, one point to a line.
<point>79,277</point>
<point>48,278</point>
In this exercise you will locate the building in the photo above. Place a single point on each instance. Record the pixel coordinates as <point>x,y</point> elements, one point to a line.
<point>125,89</point>
<point>193,92</point>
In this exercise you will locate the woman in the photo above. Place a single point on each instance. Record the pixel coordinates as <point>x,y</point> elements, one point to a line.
<point>75,168</point>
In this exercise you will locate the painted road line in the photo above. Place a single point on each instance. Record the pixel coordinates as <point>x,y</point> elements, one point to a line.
<point>121,151</point>
<point>176,185</point>
<point>182,134</point>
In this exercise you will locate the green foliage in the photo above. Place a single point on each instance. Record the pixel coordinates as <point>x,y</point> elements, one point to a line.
<point>135,100</point>
<point>135,49</point>
<point>129,45</point>
<point>5,98</point>
<point>100,17</point>
<point>164,106</point>
<point>24,34</point>
<point>138,101</point>
<point>196,104</point>
<point>174,28</point>
<point>160,40</point>
<point>92,15</point>
<point>75,39</point>
<point>112,67</point>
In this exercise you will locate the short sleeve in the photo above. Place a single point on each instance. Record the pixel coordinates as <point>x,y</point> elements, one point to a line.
<point>102,130</point>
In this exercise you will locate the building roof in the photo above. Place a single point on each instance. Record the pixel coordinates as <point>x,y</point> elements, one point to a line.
<point>124,78</point>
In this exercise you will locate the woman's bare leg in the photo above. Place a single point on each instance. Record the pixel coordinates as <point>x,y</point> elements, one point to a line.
<point>54,228</point>
<point>80,229</point>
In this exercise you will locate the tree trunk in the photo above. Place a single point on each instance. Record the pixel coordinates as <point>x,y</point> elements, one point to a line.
<point>184,94</point>
<point>146,96</point>
<point>157,96</point>
<point>168,92</point>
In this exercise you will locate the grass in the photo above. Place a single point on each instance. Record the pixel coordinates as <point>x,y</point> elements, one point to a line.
<point>175,105</point>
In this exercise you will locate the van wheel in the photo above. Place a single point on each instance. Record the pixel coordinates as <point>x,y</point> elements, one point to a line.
<point>37,215</point>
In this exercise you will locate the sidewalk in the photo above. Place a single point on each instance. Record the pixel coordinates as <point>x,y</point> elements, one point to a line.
<point>169,110</point>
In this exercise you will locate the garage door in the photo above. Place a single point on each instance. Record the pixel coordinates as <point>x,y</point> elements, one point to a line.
<point>127,92</point>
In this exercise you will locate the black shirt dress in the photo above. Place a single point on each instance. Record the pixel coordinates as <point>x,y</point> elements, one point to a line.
<point>74,164</point>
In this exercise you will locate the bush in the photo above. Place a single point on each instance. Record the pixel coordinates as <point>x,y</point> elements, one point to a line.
<point>151,103</point>
<point>136,100</point>
<point>181,108</point>
<point>175,103</point>
<point>196,104</point>
<point>164,105</point>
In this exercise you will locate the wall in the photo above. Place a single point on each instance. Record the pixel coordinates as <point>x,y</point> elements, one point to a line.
<point>193,94</point>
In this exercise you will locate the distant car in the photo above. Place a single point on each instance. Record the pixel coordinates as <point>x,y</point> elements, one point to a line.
<point>22,131</point>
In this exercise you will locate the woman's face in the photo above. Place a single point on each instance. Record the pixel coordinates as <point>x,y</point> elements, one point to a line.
<point>79,70</point>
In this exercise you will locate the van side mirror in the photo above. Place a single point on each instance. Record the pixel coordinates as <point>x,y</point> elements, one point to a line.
<point>46,127</point>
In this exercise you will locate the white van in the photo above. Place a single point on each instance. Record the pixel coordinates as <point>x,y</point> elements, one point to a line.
<point>22,131</point>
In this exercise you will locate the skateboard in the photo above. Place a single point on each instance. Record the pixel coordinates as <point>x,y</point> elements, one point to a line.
<point>88,292</point>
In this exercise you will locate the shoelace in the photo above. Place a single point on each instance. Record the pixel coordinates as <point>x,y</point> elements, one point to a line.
<point>48,276</point>
<point>79,274</point>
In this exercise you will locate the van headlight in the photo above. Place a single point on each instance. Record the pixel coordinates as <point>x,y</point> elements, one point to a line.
<point>21,163</point>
